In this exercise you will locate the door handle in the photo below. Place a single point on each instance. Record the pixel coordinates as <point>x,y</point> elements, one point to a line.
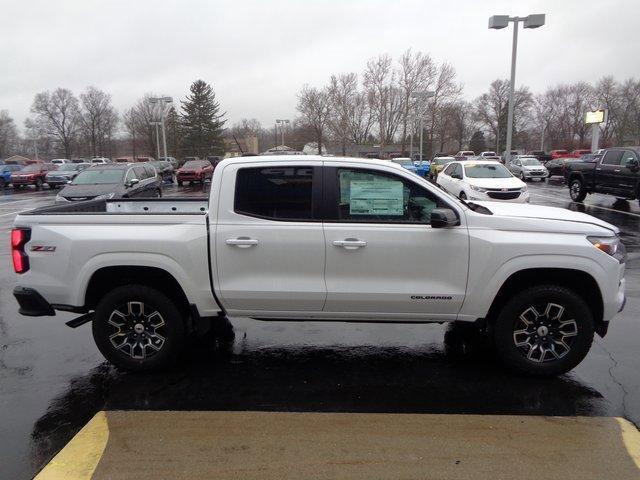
<point>598,169</point>
<point>350,243</point>
<point>241,242</point>
<point>617,170</point>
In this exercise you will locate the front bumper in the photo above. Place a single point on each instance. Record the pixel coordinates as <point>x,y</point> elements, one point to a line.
<point>483,197</point>
<point>532,175</point>
<point>32,304</point>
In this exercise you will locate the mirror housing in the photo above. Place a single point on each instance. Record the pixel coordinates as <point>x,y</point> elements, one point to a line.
<point>444,217</point>
<point>132,182</point>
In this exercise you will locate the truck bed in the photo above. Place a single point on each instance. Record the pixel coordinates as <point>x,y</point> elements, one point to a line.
<point>129,206</point>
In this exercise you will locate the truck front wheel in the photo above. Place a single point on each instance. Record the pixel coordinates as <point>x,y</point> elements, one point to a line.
<point>138,328</point>
<point>576,190</point>
<point>544,330</point>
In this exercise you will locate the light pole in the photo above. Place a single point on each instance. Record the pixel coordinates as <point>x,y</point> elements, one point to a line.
<point>497,22</point>
<point>421,96</point>
<point>282,124</point>
<point>165,104</point>
<point>157,140</point>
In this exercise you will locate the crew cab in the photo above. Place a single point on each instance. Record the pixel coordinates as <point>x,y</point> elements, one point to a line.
<point>617,173</point>
<point>311,238</point>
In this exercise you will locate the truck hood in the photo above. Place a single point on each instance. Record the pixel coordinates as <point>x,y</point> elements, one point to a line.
<point>538,212</point>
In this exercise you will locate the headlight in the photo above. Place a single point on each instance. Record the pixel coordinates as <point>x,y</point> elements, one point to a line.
<point>524,188</point>
<point>106,196</point>
<point>611,246</point>
<point>478,189</point>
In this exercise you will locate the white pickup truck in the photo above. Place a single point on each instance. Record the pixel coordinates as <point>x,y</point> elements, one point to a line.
<point>322,239</point>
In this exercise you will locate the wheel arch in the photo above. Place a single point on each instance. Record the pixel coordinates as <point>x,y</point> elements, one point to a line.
<point>107,278</point>
<point>578,281</point>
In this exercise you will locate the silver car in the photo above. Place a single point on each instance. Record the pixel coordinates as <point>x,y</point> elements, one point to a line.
<point>64,174</point>
<point>527,167</point>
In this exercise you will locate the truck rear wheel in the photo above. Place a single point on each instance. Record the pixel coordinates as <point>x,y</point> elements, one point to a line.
<point>138,328</point>
<point>544,330</point>
<point>576,190</point>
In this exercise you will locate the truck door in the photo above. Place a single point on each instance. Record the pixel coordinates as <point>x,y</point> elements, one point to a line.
<point>384,260</point>
<point>269,243</point>
<point>607,173</point>
<point>629,173</point>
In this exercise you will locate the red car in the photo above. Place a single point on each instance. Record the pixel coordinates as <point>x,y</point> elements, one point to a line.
<point>33,174</point>
<point>579,153</point>
<point>559,154</point>
<point>194,171</point>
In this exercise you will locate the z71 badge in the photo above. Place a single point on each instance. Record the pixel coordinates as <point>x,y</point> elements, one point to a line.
<point>42,248</point>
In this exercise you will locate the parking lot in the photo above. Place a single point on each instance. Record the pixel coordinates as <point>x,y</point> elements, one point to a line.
<point>54,380</point>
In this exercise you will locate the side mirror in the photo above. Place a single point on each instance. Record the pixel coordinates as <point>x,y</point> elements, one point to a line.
<point>456,175</point>
<point>133,181</point>
<point>443,217</point>
<point>633,164</point>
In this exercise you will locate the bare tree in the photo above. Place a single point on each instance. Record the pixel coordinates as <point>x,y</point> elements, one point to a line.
<point>343,91</point>
<point>416,73</point>
<point>313,105</point>
<point>130,124</point>
<point>97,118</point>
<point>491,109</point>
<point>445,90</point>
<point>56,115</point>
<point>9,138</point>
<point>384,96</point>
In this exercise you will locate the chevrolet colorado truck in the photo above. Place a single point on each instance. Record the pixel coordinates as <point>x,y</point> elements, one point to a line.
<point>310,238</point>
<point>616,172</point>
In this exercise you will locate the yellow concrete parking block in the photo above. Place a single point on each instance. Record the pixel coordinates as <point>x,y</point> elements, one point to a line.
<point>265,445</point>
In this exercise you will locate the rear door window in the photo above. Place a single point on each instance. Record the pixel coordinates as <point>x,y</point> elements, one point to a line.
<point>612,157</point>
<point>275,193</point>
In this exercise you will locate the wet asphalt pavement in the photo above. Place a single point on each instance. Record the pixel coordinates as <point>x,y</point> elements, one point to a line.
<point>53,379</point>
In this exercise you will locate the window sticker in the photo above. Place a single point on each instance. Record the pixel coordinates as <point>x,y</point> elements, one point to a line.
<point>379,196</point>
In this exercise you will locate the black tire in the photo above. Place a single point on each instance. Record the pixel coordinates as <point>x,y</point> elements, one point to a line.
<point>38,184</point>
<point>134,353</point>
<point>179,183</point>
<point>463,196</point>
<point>2,184</point>
<point>158,193</point>
<point>522,177</point>
<point>576,190</point>
<point>548,346</point>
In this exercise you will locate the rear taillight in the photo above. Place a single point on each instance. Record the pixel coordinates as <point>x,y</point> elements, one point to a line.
<point>19,237</point>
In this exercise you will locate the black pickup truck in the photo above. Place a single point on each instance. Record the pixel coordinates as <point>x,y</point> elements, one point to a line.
<point>617,173</point>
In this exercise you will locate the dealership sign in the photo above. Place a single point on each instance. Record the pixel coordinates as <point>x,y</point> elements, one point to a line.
<point>597,116</point>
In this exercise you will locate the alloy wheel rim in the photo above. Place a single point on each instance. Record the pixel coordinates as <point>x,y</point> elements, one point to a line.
<point>575,189</point>
<point>544,333</point>
<point>137,330</point>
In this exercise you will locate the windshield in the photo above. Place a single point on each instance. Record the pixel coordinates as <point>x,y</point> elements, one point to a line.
<point>530,161</point>
<point>69,167</point>
<point>496,170</point>
<point>99,177</point>
<point>192,164</point>
<point>443,160</point>
<point>403,161</point>
<point>34,167</point>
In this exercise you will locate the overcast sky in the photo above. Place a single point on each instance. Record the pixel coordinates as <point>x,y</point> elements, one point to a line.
<point>258,53</point>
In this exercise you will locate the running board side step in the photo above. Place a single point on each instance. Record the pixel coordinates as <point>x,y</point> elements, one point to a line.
<point>81,320</point>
